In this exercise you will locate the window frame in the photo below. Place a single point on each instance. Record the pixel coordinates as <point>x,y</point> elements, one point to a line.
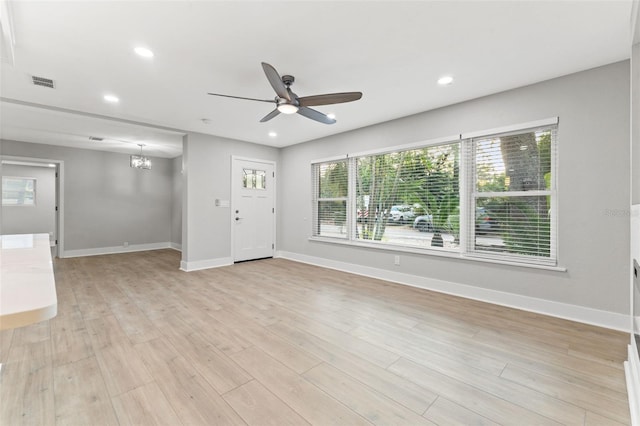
<point>316,199</point>
<point>467,197</point>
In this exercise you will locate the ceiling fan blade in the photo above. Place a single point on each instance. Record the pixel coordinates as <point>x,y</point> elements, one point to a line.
<point>271,101</point>
<point>270,115</point>
<point>331,98</point>
<point>315,115</point>
<point>276,81</point>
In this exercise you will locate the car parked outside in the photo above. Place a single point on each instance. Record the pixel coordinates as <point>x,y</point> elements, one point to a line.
<point>401,214</point>
<point>423,223</point>
<point>484,222</point>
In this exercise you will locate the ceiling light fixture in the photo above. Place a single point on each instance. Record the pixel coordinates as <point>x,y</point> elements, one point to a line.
<point>140,161</point>
<point>144,52</point>
<point>331,116</point>
<point>272,134</point>
<point>287,108</point>
<point>445,80</point>
<point>111,98</point>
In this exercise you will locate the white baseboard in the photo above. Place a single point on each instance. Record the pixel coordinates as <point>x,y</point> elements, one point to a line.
<point>197,265</point>
<point>567,311</point>
<point>175,246</point>
<point>632,375</point>
<point>113,250</point>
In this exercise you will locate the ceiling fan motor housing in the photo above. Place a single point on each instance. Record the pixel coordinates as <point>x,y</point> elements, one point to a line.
<point>288,80</point>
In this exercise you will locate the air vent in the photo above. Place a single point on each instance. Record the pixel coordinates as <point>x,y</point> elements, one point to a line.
<point>95,138</point>
<point>44,82</point>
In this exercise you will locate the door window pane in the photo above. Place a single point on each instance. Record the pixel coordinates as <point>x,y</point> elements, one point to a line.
<point>254,179</point>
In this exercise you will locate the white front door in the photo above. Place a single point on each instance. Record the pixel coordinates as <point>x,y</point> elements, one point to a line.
<point>253,209</point>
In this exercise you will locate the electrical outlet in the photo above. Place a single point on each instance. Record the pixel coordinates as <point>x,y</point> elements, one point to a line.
<point>396,260</point>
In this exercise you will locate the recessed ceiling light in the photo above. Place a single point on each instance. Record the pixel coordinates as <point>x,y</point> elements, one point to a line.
<point>445,80</point>
<point>144,52</point>
<point>111,98</point>
<point>331,116</point>
<point>272,134</point>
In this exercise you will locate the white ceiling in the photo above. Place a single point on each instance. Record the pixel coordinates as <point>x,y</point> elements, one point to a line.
<point>391,51</point>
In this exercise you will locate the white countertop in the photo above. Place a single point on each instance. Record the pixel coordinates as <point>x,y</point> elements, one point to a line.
<point>27,284</point>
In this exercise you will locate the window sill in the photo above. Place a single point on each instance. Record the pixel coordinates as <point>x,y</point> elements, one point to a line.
<point>443,252</point>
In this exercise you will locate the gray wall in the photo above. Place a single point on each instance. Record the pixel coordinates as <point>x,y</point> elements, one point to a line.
<point>106,202</point>
<point>593,179</point>
<point>206,231</point>
<point>36,219</point>
<point>176,201</point>
<point>635,108</point>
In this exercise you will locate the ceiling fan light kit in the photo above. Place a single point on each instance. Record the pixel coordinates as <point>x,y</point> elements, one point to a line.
<point>288,102</point>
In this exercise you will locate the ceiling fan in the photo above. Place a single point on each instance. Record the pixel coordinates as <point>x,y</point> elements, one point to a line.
<point>288,102</point>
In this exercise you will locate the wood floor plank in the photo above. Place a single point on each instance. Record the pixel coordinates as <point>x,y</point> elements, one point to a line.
<point>34,333</point>
<point>193,399</point>
<point>593,419</point>
<point>6,337</point>
<point>375,354</point>
<point>215,366</point>
<point>257,406</point>
<point>365,401</point>
<point>397,388</point>
<point>411,343</point>
<point>476,400</point>
<point>539,357</point>
<point>607,405</point>
<point>145,405</point>
<point>288,354</point>
<point>122,368</point>
<point>104,331</point>
<point>311,403</point>
<point>90,403</point>
<point>70,338</point>
<point>26,390</point>
<point>445,412</point>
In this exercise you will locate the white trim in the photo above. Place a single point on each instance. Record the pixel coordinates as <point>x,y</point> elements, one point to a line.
<point>511,128</point>
<point>632,376</point>
<point>59,189</point>
<point>118,249</point>
<point>330,159</point>
<point>175,246</point>
<point>197,265</point>
<point>413,145</point>
<point>577,313</point>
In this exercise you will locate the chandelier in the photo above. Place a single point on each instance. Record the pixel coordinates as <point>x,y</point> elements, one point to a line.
<point>140,161</point>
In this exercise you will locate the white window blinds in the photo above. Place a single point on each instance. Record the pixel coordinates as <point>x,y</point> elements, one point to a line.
<point>513,197</point>
<point>489,195</point>
<point>330,189</point>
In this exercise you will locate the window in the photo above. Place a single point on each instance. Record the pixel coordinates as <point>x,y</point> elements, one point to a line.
<point>18,191</point>
<point>410,197</point>
<point>254,179</point>
<point>502,207</point>
<point>512,181</point>
<point>330,199</point>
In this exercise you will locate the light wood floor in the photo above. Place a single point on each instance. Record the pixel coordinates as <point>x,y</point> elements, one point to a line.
<point>274,342</point>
